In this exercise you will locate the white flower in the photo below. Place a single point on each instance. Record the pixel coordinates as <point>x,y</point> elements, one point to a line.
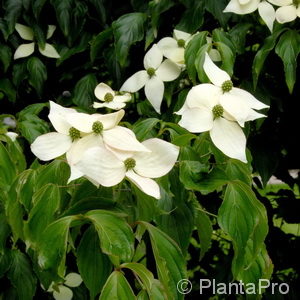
<point>61,291</point>
<point>173,48</point>
<point>109,97</point>
<point>153,77</point>
<point>110,168</point>
<point>288,11</point>
<point>11,135</point>
<point>216,108</point>
<point>25,50</point>
<point>242,7</point>
<point>77,132</point>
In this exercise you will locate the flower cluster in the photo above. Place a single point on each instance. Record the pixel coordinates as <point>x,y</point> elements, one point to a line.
<point>104,152</point>
<point>220,109</point>
<point>287,11</point>
<point>26,33</point>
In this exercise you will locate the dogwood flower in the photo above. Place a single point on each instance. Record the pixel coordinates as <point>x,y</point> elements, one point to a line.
<point>153,77</point>
<point>173,48</point>
<point>25,50</point>
<point>217,108</point>
<point>110,168</point>
<point>288,12</point>
<point>62,291</point>
<point>109,97</point>
<point>242,7</point>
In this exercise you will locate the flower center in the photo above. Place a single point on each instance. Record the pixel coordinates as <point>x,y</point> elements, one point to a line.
<point>74,134</point>
<point>227,86</point>
<point>296,3</point>
<point>217,111</point>
<point>181,43</point>
<point>97,127</point>
<point>129,163</point>
<point>108,97</point>
<point>151,72</point>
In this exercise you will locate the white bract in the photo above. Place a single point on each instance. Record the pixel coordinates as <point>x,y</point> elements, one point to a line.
<point>217,108</point>
<point>173,48</point>
<point>152,78</point>
<point>62,291</point>
<point>242,7</point>
<point>109,168</point>
<point>26,33</point>
<point>12,135</point>
<point>213,53</point>
<point>109,97</point>
<point>288,12</point>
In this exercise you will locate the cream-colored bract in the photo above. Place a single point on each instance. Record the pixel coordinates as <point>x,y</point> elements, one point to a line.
<point>287,12</point>
<point>242,7</point>
<point>236,105</point>
<point>108,168</point>
<point>25,50</point>
<point>62,291</point>
<point>153,77</point>
<point>104,92</point>
<point>171,47</point>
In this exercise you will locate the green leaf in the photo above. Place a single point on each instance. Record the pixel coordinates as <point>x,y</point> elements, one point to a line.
<point>190,53</point>
<point>145,129</point>
<point>237,169</point>
<point>7,168</point>
<point>21,276</point>
<point>263,53</point>
<point>16,154</point>
<point>53,244</point>
<point>94,266</point>
<point>178,218</point>
<point>260,268</point>
<point>195,176</point>
<point>19,73</point>
<point>37,74</point>
<point>8,89</point>
<point>5,56</point>
<point>170,263</point>
<point>145,276</point>
<point>57,172</point>
<point>100,6</point>
<point>237,36</point>
<point>244,219</point>
<point>199,61</point>
<point>128,29</point>
<point>98,42</point>
<point>288,48</point>
<point>37,6</point>
<point>218,35</point>
<point>63,11</point>
<point>216,7</point>
<point>116,236</point>
<point>228,57</point>
<point>117,288</point>
<point>13,10</point>
<point>4,233</point>
<point>46,203</point>
<point>5,262</point>
<point>204,228</point>
<point>193,17</point>
<point>84,91</point>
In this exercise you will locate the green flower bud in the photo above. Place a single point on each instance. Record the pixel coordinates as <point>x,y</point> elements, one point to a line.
<point>218,111</point>
<point>181,43</point>
<point>97,127</point>
<point>108,97</point>
<point>129,163</point>
<point>74,134</point>
<point>151,72</point>
<point>227,86</point>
